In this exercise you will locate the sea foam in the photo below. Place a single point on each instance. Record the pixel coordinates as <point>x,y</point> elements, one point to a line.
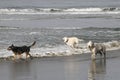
<point>88,10</point>
<point>62,50</point>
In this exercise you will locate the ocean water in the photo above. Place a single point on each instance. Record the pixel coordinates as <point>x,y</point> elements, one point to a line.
<point>48,21</point>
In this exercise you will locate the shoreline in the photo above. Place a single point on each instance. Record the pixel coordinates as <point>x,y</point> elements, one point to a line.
<point>88,55</point>
<point>75,67</point>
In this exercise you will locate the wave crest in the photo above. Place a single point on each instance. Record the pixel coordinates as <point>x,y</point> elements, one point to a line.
<point>112,44</point>
<point>59,10</point>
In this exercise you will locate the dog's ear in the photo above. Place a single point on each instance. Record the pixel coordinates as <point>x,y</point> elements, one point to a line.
<point>65,39</point>
<point>12,45</point>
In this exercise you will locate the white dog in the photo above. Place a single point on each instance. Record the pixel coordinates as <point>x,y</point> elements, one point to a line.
<point>72,41</point>
<point>96,48</point>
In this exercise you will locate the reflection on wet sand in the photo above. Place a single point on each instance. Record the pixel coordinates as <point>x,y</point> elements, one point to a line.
<point>97,68</point>
<point>21,70</point>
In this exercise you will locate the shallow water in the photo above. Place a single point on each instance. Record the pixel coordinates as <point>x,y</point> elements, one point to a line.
<point>76,67</point>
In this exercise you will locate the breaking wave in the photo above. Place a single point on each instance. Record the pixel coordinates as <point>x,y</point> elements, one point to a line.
<point>108,10</point>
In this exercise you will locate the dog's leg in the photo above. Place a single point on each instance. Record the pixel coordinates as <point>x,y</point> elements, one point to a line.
<point>30,56</point>
<point>15,57</point>
<point>104,54</point>
<point>74,45</point>
<point>20,56</point>
<point>27,53</point>
<point>72,49</point>
<point>93,56</point>
<point>100,52</point>
<point>104,51</point>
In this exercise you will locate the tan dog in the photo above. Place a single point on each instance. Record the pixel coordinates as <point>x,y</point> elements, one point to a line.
<point>96,48</point>
<point>72,41</point>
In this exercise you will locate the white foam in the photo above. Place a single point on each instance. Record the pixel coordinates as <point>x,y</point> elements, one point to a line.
<point>83,9</point>
<point>33,33</point>
<point>112,45</point>
<point>61,50</point>
<point>5,53</point>
<point>59,11</point>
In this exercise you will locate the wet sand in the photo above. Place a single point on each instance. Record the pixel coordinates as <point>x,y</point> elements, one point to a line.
<point>76,67</point>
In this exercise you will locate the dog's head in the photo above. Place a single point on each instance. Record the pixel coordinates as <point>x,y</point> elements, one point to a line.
<point>10,47</point>
<point>65,39</point>
<point>90,44</point>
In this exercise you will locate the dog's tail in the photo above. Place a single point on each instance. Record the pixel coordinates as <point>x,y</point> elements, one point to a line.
<point>33,44</point>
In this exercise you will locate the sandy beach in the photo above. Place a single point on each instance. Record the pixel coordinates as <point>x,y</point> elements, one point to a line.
<point>76,67</point>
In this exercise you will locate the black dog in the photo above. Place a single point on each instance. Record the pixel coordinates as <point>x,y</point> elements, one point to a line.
<point>20,50</point>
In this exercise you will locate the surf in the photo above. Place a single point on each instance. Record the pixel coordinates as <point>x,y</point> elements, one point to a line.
<point>89,10</point>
